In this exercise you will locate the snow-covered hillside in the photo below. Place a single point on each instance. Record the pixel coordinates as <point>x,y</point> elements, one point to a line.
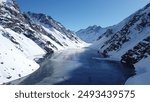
<point>16,55</point>
<point>129,40</point>
<point>143,73</point>
<point>25,37</point>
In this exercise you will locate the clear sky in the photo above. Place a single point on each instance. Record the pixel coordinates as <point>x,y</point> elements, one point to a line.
<point>79,14</point>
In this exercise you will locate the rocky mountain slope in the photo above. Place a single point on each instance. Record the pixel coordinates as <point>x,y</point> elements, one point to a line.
<point>27,36</point>
<point>129,41</point>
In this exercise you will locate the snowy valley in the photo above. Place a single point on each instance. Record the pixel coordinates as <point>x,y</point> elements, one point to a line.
<point>27,37</point>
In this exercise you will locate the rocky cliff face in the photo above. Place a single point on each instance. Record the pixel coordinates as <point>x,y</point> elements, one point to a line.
<point>131,40</point>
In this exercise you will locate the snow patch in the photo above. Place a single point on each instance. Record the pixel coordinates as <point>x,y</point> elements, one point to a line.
<point>143,73</point>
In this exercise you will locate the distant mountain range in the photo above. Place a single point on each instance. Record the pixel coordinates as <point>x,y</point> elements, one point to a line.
<point>91,33</point>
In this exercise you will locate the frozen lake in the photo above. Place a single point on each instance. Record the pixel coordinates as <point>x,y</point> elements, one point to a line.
<point>79,67</point>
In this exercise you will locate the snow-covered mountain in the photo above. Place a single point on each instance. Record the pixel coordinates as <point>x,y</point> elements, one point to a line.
<point>91,33</point>
<point>27,36</point>
<point>129,40</point>
<point>54,33</point>
<point>130,37</point>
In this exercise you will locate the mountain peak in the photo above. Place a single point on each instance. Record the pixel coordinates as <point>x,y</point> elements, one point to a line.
<point>6,1</point>
<point>94,26</point>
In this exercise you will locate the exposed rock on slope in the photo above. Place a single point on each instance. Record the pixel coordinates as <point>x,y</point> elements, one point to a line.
<point>132,40</point>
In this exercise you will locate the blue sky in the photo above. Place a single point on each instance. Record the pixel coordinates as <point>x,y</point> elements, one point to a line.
<point>79,14</point>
